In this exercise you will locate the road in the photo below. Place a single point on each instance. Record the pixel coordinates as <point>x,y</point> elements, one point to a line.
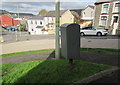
<point>50,44</point>
<point>23,36</point>
<point>27,42</point>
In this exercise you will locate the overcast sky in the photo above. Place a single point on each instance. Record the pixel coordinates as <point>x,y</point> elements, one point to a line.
<point>34,6</point>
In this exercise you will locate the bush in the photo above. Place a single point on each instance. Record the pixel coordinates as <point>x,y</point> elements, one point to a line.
<point>22,27</point>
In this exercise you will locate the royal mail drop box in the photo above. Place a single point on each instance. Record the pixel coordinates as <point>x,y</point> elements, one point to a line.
<point>70,40</point>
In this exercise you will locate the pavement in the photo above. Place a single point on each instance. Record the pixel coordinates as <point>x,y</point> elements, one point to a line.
<point>101,58</point>
<point>26,57</point>
<point>20,46</point>
<point>100,43</point>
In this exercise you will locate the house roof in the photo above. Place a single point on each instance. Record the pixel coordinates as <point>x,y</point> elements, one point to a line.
<point>15,15</point>
<point>38,17</point>
<point>52,13</point>
<point>78,11</point>
<point>91,6</point>
<point>75,14</point>
<point>24,14</point>
<point>104,1</point>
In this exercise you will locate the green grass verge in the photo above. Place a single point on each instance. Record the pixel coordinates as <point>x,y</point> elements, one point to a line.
<point>112,51</point>
<point>26,52</point>
<point>49,71</point>
<point>100,50</point>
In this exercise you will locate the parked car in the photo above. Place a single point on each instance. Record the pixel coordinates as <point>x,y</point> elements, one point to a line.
<point>92,31</point>
<point>14,28</point>
<point>5,26</point>
<point>11,28</point>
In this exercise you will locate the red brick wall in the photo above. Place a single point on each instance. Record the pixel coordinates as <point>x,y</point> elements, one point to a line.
<point>15,22</point>
<point>7,20</point>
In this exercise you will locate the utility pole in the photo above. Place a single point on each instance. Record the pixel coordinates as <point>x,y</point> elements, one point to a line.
<point>57,40</point>
<point>18,20</point>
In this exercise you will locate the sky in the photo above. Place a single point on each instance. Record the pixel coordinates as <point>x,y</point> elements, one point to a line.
<point>34,6</point>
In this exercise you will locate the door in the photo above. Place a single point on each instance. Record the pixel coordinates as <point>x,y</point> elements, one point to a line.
<point>115,24</point>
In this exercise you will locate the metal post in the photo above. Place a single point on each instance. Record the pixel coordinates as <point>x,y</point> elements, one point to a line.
<point>16,35</point>
<point>20,31</point>
<point>57,42</point>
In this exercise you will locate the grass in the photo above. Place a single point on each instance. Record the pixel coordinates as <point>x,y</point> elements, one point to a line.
<point>100,50</point>
<point>50,50</point>
<point>49,71</point>
<point>26,52</point>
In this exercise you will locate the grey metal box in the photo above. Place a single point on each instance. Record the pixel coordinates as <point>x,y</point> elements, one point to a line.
<point>70,40</point>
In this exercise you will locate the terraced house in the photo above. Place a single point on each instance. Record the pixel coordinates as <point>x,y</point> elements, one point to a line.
<point>65,17</point>
<point>107,15</point>
<point>37,24</point>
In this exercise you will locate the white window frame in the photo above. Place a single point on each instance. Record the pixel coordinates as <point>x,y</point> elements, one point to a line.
<point>114,6</point>
<point>100,20</point>
<point>103,6</point>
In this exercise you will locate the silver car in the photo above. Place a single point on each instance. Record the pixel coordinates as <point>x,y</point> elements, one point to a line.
<point>92,31</point>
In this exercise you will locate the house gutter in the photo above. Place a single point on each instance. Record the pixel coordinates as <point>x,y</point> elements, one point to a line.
<point>97,3</point>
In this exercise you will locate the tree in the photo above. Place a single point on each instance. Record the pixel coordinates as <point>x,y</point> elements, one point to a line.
<point>22,27</point>
<point>43,11</point>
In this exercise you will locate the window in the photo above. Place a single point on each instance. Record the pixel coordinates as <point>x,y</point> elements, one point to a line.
<point>116,7</point>
<point>115,19</point>
<point>35,22</point>
<point>103,20</point>
<point>52,19</point>
<point>48,19</point>
<point>105,8</point>
<point>40,23</point>
<point>31,22</point>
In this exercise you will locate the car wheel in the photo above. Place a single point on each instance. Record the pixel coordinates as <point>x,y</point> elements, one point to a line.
<point>99,34</point>
<point>105,35</point>
<point>82,34</point>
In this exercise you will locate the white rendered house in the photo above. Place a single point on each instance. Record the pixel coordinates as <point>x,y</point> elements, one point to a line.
<point>36,25</point>
<point>88,13</point>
